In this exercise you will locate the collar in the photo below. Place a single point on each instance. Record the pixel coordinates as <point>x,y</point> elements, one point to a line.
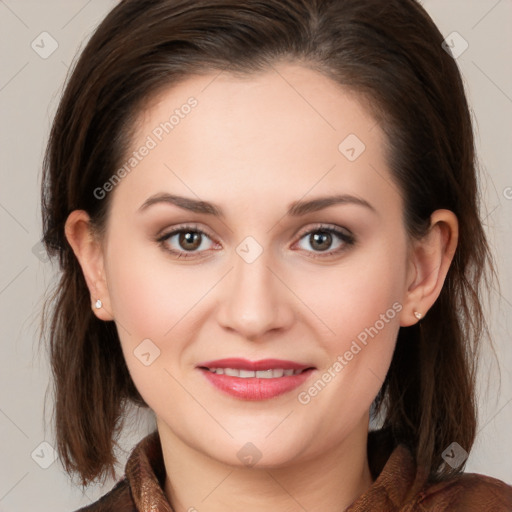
<point>145,472</point>
<point>396,478</point>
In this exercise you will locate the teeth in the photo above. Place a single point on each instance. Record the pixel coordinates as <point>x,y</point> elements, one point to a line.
<point>260,374</point>
<point>265,374</point>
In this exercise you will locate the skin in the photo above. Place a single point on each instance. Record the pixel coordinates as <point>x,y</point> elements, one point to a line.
<point>253,146</point>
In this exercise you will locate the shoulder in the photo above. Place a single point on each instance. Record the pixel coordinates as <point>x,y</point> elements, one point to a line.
<point>467,492</point>
<point>119,499</point>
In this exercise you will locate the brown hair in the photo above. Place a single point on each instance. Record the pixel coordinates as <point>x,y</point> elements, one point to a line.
<point>390,54</point>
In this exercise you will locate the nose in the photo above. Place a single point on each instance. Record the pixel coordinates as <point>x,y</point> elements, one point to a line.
<point>255,301</point>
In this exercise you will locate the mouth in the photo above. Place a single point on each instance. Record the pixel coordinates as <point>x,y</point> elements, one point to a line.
<point>271,373</point>
<point>255,380</point>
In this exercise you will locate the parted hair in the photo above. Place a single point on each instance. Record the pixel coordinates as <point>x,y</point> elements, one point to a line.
<point>391,55</point>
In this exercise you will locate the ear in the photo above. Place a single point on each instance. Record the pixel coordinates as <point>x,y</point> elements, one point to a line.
<point>429,262</point>
<point>89,253</point>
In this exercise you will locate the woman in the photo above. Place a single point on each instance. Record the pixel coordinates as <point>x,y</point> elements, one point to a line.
<point>266,216</point>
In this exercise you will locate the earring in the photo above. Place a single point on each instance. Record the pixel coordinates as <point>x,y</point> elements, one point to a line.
<point>98,304</point>
<point>417,315</point>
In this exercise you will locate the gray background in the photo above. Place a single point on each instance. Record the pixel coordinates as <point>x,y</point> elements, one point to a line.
<point>29,91</point>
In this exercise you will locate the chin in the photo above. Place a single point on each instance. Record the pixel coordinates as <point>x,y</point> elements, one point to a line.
<point>257,453</point>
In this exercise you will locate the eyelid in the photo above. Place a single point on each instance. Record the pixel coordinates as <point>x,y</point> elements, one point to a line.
<point>323,226</point>
<point>191,226</point>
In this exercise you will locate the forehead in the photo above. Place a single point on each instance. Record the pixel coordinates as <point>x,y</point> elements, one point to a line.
<point>289,130</point>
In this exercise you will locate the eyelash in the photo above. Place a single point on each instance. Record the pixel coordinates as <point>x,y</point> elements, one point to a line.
<point>347,239</point>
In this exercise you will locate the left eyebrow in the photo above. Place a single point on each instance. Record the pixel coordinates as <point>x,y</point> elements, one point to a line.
<point>296,209</point>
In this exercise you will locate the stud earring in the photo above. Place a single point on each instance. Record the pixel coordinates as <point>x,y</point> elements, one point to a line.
<point>417,315</point>
<point>98,304</point>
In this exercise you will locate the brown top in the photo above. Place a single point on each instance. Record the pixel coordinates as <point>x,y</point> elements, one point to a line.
<point>398,485</point>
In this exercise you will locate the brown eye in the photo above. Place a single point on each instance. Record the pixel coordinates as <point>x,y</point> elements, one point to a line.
<point>186,241</point>
<point>321,240</point>
<point>189,240</point>
<point>325,241</point>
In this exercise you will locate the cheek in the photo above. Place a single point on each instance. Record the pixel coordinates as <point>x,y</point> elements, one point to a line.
<point>353,295</point>
<point>150,299</point>
<point>148,293</point>
<point>359,305</point>
<point>153,298</point>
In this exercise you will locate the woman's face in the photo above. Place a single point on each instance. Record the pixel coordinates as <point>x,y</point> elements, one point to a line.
<point>275,275</point>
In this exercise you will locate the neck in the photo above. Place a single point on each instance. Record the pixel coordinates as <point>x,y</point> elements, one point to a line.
<point>328,482</point>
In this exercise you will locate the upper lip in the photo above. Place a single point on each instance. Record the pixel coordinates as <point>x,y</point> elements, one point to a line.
<point>263,364</point>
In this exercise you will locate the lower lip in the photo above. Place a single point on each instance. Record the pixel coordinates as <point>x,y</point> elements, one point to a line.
<point>254,388</point>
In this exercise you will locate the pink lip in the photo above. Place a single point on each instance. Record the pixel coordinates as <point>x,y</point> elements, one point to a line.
<point>255,388</point>
<point>245,364</point>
